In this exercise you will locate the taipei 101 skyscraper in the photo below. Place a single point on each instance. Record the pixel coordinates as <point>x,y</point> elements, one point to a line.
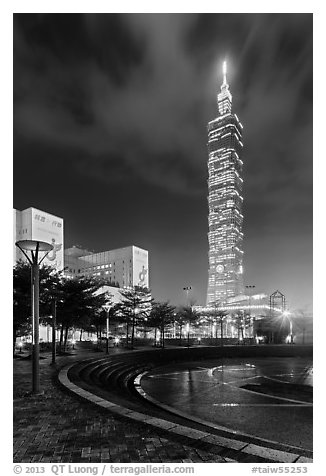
<point>225,237</point>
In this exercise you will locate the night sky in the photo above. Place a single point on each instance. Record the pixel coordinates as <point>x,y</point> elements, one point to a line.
<point>111,111</point>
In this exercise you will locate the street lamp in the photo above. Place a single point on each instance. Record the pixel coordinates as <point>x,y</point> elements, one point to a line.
<point>251,287</point>
<point>34,247</point>
<point>107,309</point>
<point>54,323</point>
<point>187,289</point>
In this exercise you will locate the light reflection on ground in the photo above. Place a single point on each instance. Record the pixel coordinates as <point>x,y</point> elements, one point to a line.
<point>270,398</point>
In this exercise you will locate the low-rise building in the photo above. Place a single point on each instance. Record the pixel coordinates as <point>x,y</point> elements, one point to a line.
<point>124,267</point>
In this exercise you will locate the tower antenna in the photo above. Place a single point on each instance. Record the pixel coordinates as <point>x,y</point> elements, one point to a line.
<point>224,73</point>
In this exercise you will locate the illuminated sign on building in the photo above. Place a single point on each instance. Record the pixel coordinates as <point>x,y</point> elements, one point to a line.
<point>34,224</point>
<point>140,267</point>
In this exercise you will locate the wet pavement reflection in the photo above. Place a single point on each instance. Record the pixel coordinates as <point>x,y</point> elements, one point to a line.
<point>269,398</point>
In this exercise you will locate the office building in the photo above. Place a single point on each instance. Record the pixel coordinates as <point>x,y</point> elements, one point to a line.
<point>124,267</point>
<point>225,237</point>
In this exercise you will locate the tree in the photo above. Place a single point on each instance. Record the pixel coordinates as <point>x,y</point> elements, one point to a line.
<point>161,315</point>
<point>134,307</point>
<point>179,320</point>
<point>242,322</point>
<point>77,300</point>
<point>100,314</point>
<point>22,319</point>
<point>79,304</point>
<point>123,315</point>
<point>186,315</point>
<point>219,317</point>
<point>209,318</point>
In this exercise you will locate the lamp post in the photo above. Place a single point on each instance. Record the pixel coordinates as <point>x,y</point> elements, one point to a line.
<point>251,287</point>
<point>54,318</point>
<point>187,289</point>
<point>107,308</point>
<point>35,247</point>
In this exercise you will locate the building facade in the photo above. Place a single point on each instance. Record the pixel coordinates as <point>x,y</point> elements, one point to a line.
<point>225,237</point>
<point>34,224</point>
<point>125,267</point>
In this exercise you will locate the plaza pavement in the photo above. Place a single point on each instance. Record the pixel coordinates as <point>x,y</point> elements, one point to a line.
<point>56,427</point>
<point>59,427</point>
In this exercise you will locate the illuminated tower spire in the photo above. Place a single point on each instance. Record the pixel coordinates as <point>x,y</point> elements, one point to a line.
<point>224,98</point>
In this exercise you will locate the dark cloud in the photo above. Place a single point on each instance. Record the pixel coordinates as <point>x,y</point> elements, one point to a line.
<point>125,99</point>
<point>152,113</point>
<point>129,83</point>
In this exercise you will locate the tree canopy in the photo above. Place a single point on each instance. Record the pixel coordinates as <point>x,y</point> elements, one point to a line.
<point>78,302</point>
<point>161,315</point>
<point>22,286</point>
<point>135,307</point>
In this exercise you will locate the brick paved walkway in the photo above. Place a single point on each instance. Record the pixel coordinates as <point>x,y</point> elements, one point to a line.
<point>56,427</point>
